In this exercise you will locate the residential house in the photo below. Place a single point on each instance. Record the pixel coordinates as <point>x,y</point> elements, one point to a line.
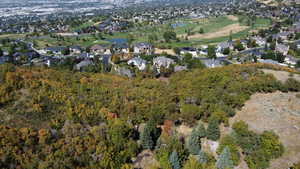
<point>4,59</point>
<point>75,49</point>
<point>222,46</point>
<point>297,43</point>
<point>282,35</point>
<point>244,42</point>
<point>162,61</point>
<point>203,52</point>
<point>258,52</point>
<point>212,63</point>
<point>56,50</point>
<point>281,48</point>
<point>189,50</point>
<point>138,62</point>
<point>101,49</point>
<point>83,64</point>
<point>85,55</point>
<point>260,41</point>
<point>143,48</point>
<point>121,48</point>
<point>290,60</point>
<point>123,71</point>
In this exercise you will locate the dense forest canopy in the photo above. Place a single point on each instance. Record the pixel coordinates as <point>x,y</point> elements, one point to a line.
<point>63,119</point>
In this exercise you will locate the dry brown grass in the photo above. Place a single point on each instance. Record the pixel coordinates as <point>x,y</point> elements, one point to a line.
<point>278,112</point>
<point>225,31</point>
<point>281,75</point>
<point>161,51</point>
<point>233,18</point>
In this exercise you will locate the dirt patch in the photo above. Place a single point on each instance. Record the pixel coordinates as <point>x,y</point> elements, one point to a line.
<point>225,31</point>
<point>184,130</point>
<point>145,160</point>
<point>161,51</point>
<point>233,18</point>
<point>281,75</point>
<point>279,112</point>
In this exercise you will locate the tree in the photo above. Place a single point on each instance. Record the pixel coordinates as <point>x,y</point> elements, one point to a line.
<point>130,38</point>
<point>201,31</point>
<point>224,161</point>
<point>169,35</point>
<point>202,157</point>
<point>230,36</point>
<point>211,51</point>
<point>194,142</point>
<point>298,64</point>
<point>273,45</point>
<point>174,160</point>
<point>201,132</point>
<point>150,135</point>
<point>1,52</point>
<point>176,50</point>
<point>152,38</point>
<point>280,57</point>
<point>65,51</point>
<point>11,50</point>
<point>239,46</point>
<point>115,59</point>
<point>213,130</point>
<point>146,139</point>
<point>226,51</point>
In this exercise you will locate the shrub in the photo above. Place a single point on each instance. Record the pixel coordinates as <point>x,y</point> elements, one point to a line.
<point>192,163</point>
<point>292,85</point>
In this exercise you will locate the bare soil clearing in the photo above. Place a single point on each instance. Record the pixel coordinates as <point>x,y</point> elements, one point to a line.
<point>232,17</point>
<point>168,51</point>
<point>225,31</point>
<point>279,112</point>
<point>281,75</point>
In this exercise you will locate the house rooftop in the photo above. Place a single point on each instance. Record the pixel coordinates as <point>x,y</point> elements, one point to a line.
<point>57,48</point>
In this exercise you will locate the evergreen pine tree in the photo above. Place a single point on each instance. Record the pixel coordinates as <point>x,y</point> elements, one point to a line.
<point>201,130</point>
<point>146,139</point>
<point>225,161</point>
<point>202,157</point>
<point>213,130</point>
<point>194,143</point>
<point>174,160</point>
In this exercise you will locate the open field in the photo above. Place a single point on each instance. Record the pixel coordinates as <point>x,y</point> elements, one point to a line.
<point>269,2</point>
<point>13,36</point>
<point>225,31</point>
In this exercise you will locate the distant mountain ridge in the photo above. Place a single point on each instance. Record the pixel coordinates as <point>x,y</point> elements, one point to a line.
<point>114,2</point>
